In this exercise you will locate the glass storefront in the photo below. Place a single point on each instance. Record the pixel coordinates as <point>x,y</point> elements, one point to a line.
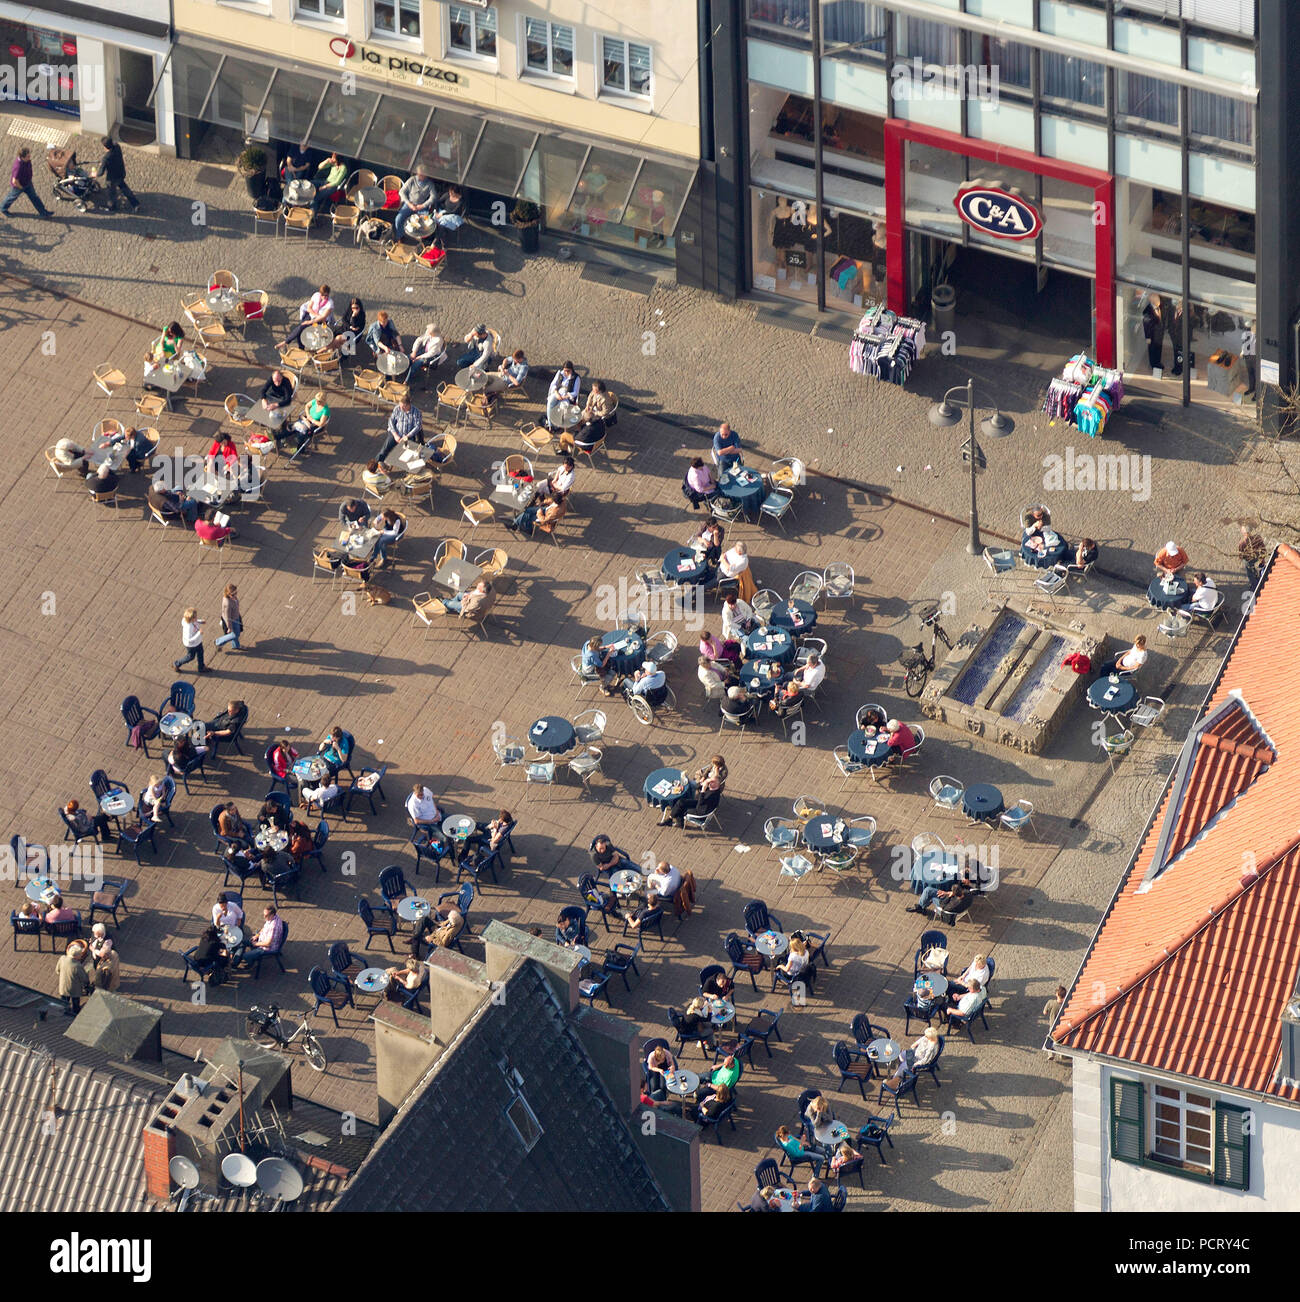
<point>39,66</point>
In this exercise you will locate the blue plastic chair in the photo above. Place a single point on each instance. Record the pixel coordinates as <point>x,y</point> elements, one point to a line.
<point>70,832</point>
<point>197,762</point>
<point>110,897</point>
<point>768,1172</point>
<point>475,866</point>
<point>281,798</point>
<point>764,1024</point>
<point>876,1133</point>
<point>369,791</point>
<point>197,969</point>
<point>134,715</point>
<point>593,981</point>
<point>714,1122</point>
<point>652,921</point>
<point>411,999</point>
<point>393,885</point>
<point>317,850</point>
<point>25,927</point>
<point>144,810</point>
<point>572,925</point>
<point>933,1065</point>
<point>966,1021</point>
<point>597,901</point>
<point>68,928</point>
<point>341,961</point>
<point>759,920</point>
<point>252,957</point>
<point>386,927</point>
<point>930,940</point>
<point>287,782</point>
<point>744,958</point>
<point>464,897</point>
<point>618,960</point>
<point>428,846</point>
<point>896,1092</point>
<point>135,837</point>
<point>858,1072</point>
<point>101,784</point>
<point>181,697</point>
<point>242,869</point>
<point>285,880</point>
<point>329,993</point>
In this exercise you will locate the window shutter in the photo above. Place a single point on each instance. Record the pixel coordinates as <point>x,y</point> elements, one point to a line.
<point>1126,1117</point>
<point>1231,1146</point>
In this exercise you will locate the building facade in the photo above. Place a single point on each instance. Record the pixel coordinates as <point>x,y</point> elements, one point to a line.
<point>594,118</point>
<point>1129,129</point>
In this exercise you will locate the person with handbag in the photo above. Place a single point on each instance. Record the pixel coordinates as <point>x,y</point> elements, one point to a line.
<point>232,622</point>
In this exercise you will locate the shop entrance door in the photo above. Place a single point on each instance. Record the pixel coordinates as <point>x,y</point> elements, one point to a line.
<point>135,82</point>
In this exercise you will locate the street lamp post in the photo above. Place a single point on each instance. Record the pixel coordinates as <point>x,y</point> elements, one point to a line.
<point>944,415</point>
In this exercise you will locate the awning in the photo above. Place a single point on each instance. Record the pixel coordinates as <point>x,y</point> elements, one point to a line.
<point>391,131</point>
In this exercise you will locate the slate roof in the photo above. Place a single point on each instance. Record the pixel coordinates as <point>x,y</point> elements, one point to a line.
<point>1199,950</point>
<point>451,1147</point>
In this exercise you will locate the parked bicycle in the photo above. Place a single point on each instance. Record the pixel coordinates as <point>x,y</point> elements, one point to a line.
<point>916,661</point>
<point>265,1026</point>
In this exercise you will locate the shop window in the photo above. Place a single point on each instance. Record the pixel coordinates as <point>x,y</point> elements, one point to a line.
<point>919,38</point>
<point>446,146</point>
<point>1212,224</point>
<point>852,27</point>
<point>320,8</point>
<point>397,17</point>
<point>472,31</point>
<point>49,71</point>
<point>1013,61</point>
<point>548,47</point>
<point>1081,81</point>
<point>1219,118</point>
<point>843,130</point>
<point>1148,98</point>
<point>625,67</point>
<point>789,15</point>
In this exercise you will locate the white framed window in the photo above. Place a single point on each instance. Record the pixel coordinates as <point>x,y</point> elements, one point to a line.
<point>548,47</point>
<point>472,31</point>
<point>397,18</point>
<point>625,67</point>
<point>1182,1126</point>
<point>319,8</point>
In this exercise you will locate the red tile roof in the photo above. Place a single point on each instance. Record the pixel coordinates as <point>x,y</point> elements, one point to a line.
<point>1200,948</point>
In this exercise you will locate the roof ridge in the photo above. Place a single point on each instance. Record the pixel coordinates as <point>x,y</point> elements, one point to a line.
<point>1234,894</point>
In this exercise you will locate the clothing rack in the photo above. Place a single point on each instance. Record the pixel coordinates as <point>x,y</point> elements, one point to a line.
<point>1084,395</point>
<point>885,345</point>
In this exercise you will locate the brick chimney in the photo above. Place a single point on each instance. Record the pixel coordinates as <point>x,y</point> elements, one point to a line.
<point>160,1147</point>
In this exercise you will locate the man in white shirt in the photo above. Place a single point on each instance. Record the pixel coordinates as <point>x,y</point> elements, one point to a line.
<point>560,480</point>
<point>1205,596</point>
<point>711,680</point>
<point>662,883</point>
<point>971,1000</point>
<point>650,682</point>
<point>321,795</point>
<point>226,913</point>
<point>562,397</point>
<point>811,675</point>
<point>422,808</point>
<point>736,615</point>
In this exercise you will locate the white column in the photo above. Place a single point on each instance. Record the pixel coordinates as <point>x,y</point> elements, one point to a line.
<point>97,77</point>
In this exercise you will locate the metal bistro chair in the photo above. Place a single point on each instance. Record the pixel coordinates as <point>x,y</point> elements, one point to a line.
<point>1019,816</point>
<point>837,583</point>
<point>947,793</point>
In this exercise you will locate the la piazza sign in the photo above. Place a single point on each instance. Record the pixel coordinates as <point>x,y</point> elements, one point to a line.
<point>396,65</point>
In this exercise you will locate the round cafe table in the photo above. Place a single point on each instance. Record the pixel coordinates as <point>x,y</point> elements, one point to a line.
<point>552,735</point>
<point>681,1082</point>
<point>37,886</point>
<point>884,1052</point>
<point>769,644</point>
<point>982,802</point>
<point>233,936</point>
<point>823,833</point>
<point>628,647</point>
<point>370,198</point>
<point>473,379</point>
<point>373,981</point>
<point>311,768</point>
<point>272,838</point>
<point>221,300</point>
<point>721,1011</point>
<point>794,616</point>
<point>831,1132</point>
<point>760,677</point>
<point>413,908</point>
<point>662,787</point>
<point>930,986</point>
<point>419,226</point>
<point>393,364</point>
<point>1112,698</point>
<point>1165,598</point>
<point>116,804</point>
<point>742,486</point>
<point>771,944</point>
<point>175,723</point>
<point>626,882</point>
<point>868,750</point>
<point>316,337</point>
<point>788,1198</point>
<point>458,826</point>
<point>1045,559</point>
<point>299,192</point>
<point>113,453</point>
<point>685,565</point>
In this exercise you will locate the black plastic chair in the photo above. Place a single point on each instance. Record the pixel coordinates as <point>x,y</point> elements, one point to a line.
<point>135,716</point>
<point>933,1065</point>
<point>253,957</point>
<point>393,885</point>
<point>596,900</point>
<point>367,783</point>
<point>287,782</point>
<point>593,981</point>
<point>476,864</point>
<point>199,970</point>
<point>653,920</point>
<point>744,958</point>
<point>618,960</point>
<point>411,999</point>
<point>341,961</point>
<point>70,832</point>
<point>858,1072</point>
<point>572,926</point>
<point>907,1085</point>
<point>68,928</point>
<point>768,1172</point>
<point>110,897</point>
<point>317,851</point>
<point>25,927</point>
<point>930,940</point>
<point>135,836</point>
<point>702,1036</point>
<point>714,1122</point>
<point>428,846</point>
<point>329,994</point>
<point>876,1133</point>
<point>387,927</point>
<point>181,697</point>
<point>764,1024</point>
<point>759,920</point>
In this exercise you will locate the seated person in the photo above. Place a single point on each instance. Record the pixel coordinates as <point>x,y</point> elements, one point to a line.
<point>405,425</point>
<point>154,797</point>
<point>739,700</point>
<point>383,336</point>
<point>796,961</point>
<point>737,618</point>
<point>376,477</point>
<point>969,1000</point>
<point>607,857</point>
<point>351,328</point>
<point>493,833</point>
<point>271,934</point>
<point>569,928</point>
<point>710,679</point>
<point>273,814</point>
<point>650,682</point>
<point>595,664</point>
<point>765,1200</point>
<point>816,1199</point>
<point>724,655</point>
<point>211,951</point>
<point>695,1020</point>
<point>662,884</point>
<point>710,537</point>
<point>712,1102</point>
<point>328,180</point>
<point>58,911</point>
<point>449,209</point>
<point>103,479</point>
<point>438,928</point>
<point>511,374</point>
<point>428,352</point>
<point>391,525</point>
<point>710,781</point>
<point>1085,554</point>
<point>1035,526</point>
<point>726,448</point>
<point>139,447</point>
<point>474,603</point>
<point>231,825</point>
<point>699,485</point>
<point>166,502</point>
<point>84,824</point>
<point>354,513</point>
<point>227,912</point>
<point>317,310</point>
<point>404,979</point>
<point>295,165</point>
<point>977,970</point>
<point>811,675</point>
<point>282,758</point>
<point>787,699</point>
<point>562,398</point>
<point>584,436</point>
<point>561,479</point>
<point>793,1147</point>
<point>727,1073</point>
<point>184,754</point>
<point>1170,559</point>
<point>301,842</point>
<point>70,456</point>
<point>276,395</point>
<point>874,717</point>
<point>1127,662</point>
<point>320,795</point>
<point>901,739</point>
<point>314,417</point>
<point>210,531</point>
<point>273,864</point>
<point>527,519</point>
<point>223,446</point>
<point>923,1051</point>
<point>844,1154</point>
<point>734,564</point>
<point>819,1112</point>
<point>478,348</point>
<point>336,749</point>
<point>222,728</point>
<point>417,194</point>
<point>659,1063</point>
<point>422,808</point>
<point>600,404</point>
<point>953,900</point>
<point>1204,597</point>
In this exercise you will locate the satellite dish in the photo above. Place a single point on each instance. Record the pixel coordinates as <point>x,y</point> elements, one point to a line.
<point>279,1179</point>
<point>240,1170</point>
<point>183,1173</point>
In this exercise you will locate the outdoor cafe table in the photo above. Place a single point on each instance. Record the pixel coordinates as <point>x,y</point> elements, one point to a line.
<point>685,565</point>
<point>222,300</point>
<point>215,490</point>
<point>392,364</point>
<point>472,379</point>
<point>457,575</point>
<point>311,768</point>
<point>663,786</point>
<point>168,377</point>
<point>260,415</point>
<point>373,981</point>
<point>681,1082</point>
<point>868,750</point>
<point>788,1198</point>
<point>552,735</point>
<point>1112,698</point>
<point>116,804</point>
<point>514,494</point>
<point>721,1011</point>
<point>413,908</point>
<point>419,225</point>
<point>982,801</point>
<point>173,724</point>
<point>359,543</point>
<point>830,1132</point>
<point>1164,593</point>
<point>930,986</point>
<point>370,198</point>
<point>769,644</point>
<point>458,826</point>
<point>742,486</point>
<point>626,882</point>
<point>1052,554</point>
<point>233,936</point>
<point>272,838</point>
<point>935,867</point>
<point>884,1052</point>
<point>794,616</point>
<point>628,647</point>
<point>760,677</point>
<point>771,944</point>
<point>38,887</point>
<point>823,833</point>
<point>316,337</point>
<point>113,453</point>
<point>299,192</point>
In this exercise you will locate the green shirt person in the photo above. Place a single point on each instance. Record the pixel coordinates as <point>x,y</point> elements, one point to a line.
<point>728,1073</point>
<point>330,175</point>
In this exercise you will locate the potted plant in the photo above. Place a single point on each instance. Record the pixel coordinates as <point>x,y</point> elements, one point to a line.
<point>527,217</point>
<point>251,165</point>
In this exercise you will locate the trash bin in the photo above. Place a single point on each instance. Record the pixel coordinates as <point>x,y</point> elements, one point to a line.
<point>943,307</point>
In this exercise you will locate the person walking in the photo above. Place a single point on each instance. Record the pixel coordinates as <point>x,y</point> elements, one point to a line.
<point>232,622</point>
<point>71,977</point>
<point>20,182</point>
<point>112,171</point>
<point>192,641</point>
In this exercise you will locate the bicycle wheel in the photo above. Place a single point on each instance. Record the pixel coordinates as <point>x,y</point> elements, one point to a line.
<point>915,680</point>
<point>315,1054</point>
<point>642,709</point>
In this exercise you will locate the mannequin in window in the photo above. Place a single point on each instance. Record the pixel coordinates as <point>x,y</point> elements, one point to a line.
<point>1153,328</point>
<point>1176,334</point>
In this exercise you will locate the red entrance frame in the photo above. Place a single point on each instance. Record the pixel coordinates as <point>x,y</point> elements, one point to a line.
<point>899,131</point>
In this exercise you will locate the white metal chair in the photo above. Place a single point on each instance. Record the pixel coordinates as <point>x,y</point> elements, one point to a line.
<point>737,718</point>
<point>590,727</point>
<point>1117,745</point>
<point>860,834</point>
<point>764,603</point>
<point>788,473</point>
<point>868,712</point>
<point>541,771</point>
<point>1053,582</point>
<point>510,752</point>
<point>722,508</point>
<point>1018,817</point>
<point>810,646</point>
<point>1175,624</point>
<point>583,679</point>
<point>1000,563</point>
<point>1209,617</point>
<point>778,504</point>
<point>586,764</point>
<point>947,792</point>
<point>1148,711</point>
<point>806,586</point>
<point>661,646</point>
<point>653,581</point>
<point>848,766</point>
<point>796,867</point>
<point>907,759</point>
<point>837,583</point>
<point>700,822</point>
<point>781,834</point>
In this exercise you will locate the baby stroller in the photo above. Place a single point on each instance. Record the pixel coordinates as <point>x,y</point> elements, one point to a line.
<point>72,182</point>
